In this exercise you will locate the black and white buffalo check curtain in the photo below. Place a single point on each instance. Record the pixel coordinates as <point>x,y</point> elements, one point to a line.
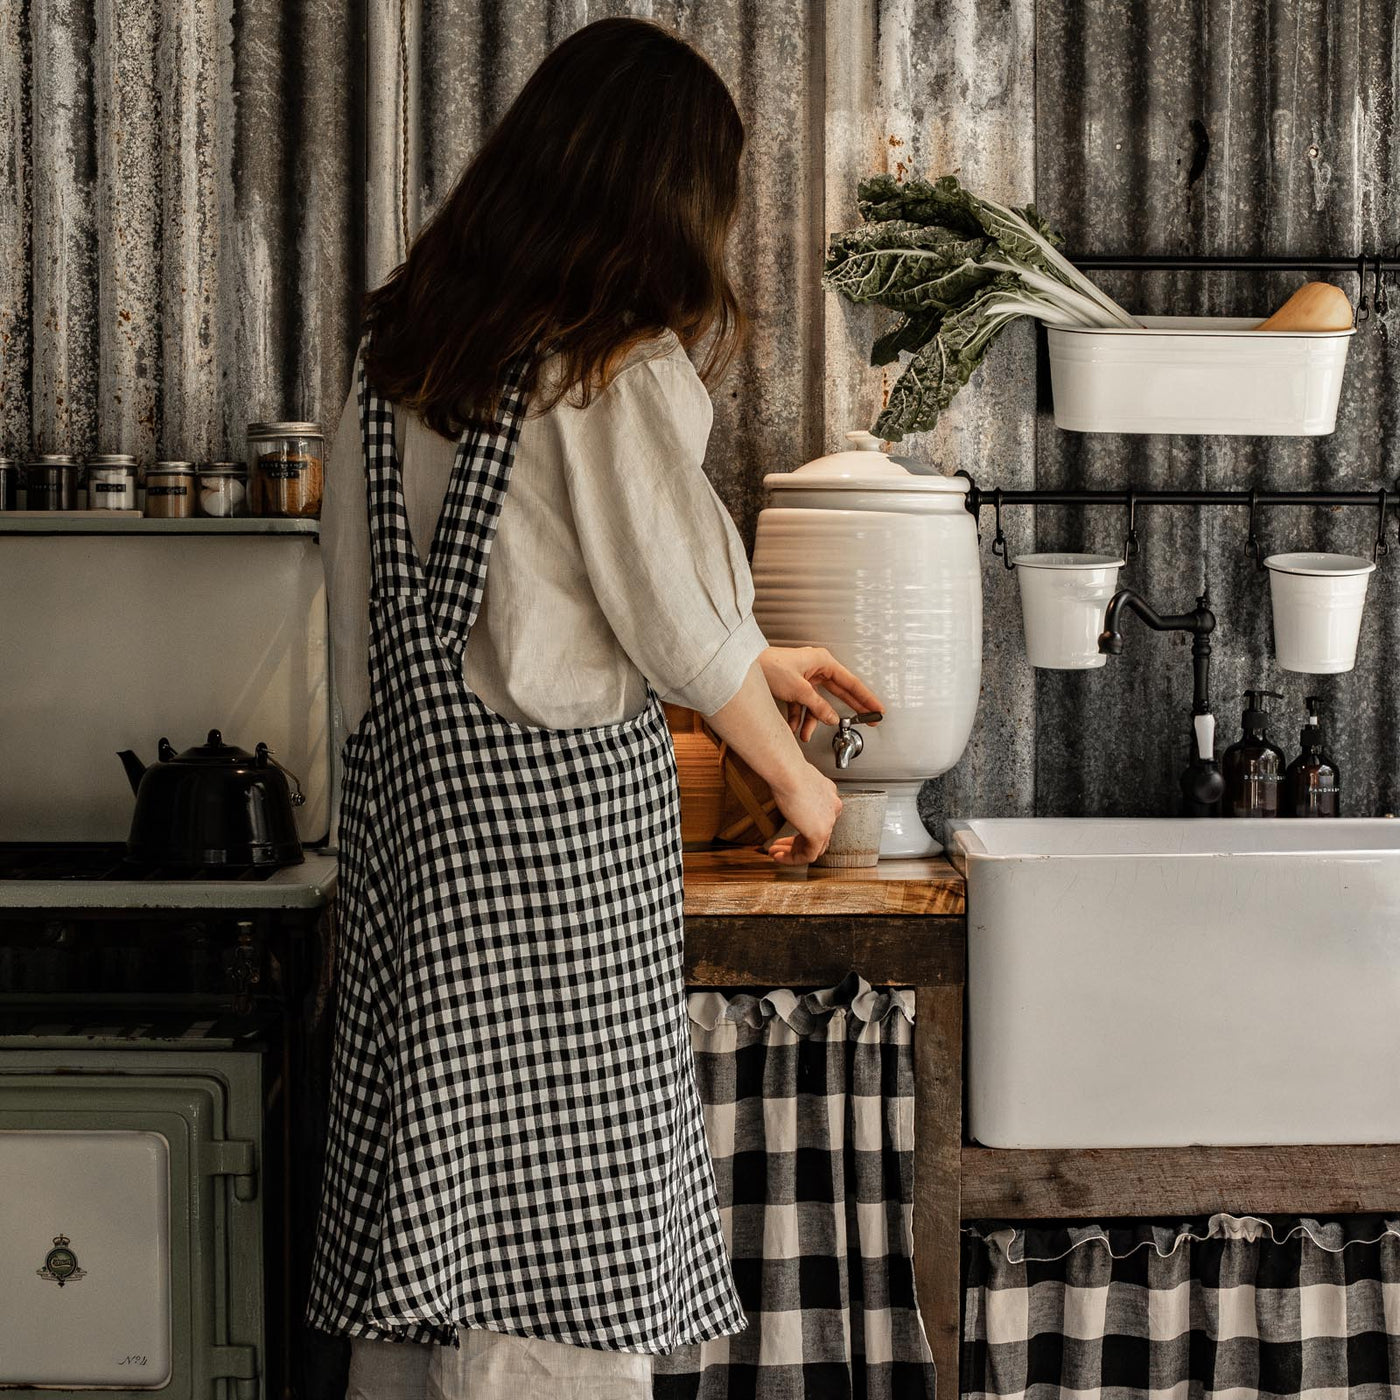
<point>1230,1307</point>
<point>809,1111</point>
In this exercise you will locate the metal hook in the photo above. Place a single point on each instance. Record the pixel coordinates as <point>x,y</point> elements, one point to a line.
<point>973,501</point>
<point>1130,541</point>
<point>1252,548</point>
<point>1363,308</point>
<point>1382,545</point>
<point>999,539</point>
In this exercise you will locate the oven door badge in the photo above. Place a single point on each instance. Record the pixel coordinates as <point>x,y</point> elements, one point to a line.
<point>60,1263</point>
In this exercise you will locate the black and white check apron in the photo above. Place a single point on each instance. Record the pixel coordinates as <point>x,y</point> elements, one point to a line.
<point>516,1140</point>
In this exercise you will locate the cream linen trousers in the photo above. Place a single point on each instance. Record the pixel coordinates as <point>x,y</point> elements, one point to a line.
<point>493,1366</point>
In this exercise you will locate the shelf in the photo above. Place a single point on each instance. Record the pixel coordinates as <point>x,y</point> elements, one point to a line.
<point>1108,1183</point>
<point>96,522</point>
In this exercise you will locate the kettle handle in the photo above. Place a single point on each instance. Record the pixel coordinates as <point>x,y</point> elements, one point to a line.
<point>298,796</point>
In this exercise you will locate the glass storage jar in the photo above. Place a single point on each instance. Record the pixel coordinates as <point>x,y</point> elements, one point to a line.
<point>170,489</point>
<point>223,489</point>
<point>51,482</point>
<point>9,484</point>
<point>111,481</point>
<point>285,468</point>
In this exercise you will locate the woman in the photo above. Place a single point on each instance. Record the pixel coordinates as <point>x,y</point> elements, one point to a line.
<point>516,1159</point>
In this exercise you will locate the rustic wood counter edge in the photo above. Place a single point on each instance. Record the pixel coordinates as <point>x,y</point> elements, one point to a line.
<point>899,923</point>
<point>747,883</point>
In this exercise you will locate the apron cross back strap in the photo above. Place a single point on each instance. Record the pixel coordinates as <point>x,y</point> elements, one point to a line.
<point>455,573</point>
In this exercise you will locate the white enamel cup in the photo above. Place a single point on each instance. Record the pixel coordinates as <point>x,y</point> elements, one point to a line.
<point>1063,599</point>
<point>1317,601</point>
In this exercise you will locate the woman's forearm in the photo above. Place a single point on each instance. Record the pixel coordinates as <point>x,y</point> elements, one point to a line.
<point>754,727</point>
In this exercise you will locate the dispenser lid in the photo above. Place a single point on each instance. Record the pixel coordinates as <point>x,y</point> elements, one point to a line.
<point>1311,734</point>
<point>1255,711</point>
<point>864,467</point>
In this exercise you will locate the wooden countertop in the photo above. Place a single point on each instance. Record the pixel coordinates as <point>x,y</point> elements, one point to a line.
<point>746,883</point>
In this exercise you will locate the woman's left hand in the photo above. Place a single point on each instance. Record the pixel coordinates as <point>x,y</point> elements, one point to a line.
<point>793,675</point>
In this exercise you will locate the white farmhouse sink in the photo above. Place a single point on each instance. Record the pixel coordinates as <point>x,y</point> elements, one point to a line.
<point>1173,982</point>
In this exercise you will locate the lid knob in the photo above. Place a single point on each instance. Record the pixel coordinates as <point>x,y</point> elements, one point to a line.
<point>863,441</point>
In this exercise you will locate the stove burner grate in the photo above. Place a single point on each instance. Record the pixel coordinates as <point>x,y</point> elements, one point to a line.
<point>100,861</point>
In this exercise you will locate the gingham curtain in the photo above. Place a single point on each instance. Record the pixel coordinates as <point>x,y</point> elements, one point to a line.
<point>1235,1307</point>
<point>809,1111</point>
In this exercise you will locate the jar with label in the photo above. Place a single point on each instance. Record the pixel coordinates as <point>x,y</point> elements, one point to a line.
<point>51,482</point>
<point>111,482</point>
<point>9,484</point>
<point>170,490</point>
<point>285,468</point>
<point>223,489</point>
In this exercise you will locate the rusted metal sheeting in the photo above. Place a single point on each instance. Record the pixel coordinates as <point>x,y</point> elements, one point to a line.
<point>196,195</point>
<point>180,245</point>
<point>1205,126</point>
<point>199,193</point>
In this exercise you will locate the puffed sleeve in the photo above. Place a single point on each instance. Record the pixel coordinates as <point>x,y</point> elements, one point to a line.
<point>663,556</point>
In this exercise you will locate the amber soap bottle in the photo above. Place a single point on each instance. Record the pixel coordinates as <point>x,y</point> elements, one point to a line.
<point>1312,786</point>
<point>1254,768</point>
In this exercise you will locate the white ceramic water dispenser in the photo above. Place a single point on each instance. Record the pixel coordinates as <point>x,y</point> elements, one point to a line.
<point>879,564</point>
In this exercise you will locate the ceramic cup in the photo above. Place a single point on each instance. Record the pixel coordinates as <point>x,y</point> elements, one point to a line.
<point>1317,601</point>
<point>855,839</point>
<point>1063,599</point>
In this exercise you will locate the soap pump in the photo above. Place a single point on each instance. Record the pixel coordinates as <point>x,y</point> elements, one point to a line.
<point>1254,767</point>
<point>1313,787</point>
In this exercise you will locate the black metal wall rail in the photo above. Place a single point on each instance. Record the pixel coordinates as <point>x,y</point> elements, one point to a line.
<point>1378,265</point>
<point>1381,500</point>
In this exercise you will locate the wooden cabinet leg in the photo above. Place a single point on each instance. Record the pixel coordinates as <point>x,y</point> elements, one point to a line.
<point>938,1096</point>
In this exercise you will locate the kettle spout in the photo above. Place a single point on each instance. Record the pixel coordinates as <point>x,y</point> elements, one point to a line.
<point>135,769</point>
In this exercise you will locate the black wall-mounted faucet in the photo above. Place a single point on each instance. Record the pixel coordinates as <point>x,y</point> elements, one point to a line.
<point>1202,786</point>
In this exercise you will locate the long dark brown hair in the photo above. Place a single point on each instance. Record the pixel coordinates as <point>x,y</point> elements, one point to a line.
<point>594,217</point>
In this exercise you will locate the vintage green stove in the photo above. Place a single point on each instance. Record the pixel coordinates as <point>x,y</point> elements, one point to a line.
<point>131,1243</point>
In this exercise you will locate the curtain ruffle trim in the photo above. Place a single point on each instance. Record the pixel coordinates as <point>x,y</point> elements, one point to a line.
<point>804,1013</point>
<point>1046,1245</point>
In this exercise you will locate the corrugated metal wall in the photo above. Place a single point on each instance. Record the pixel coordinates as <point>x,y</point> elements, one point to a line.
<point>180,245</point>
<point>1208,126</point>
<point>197,193</point>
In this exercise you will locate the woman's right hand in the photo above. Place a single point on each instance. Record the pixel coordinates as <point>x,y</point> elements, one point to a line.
<point>811,803</point>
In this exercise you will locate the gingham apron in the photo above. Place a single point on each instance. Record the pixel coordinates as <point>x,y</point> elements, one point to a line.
<point>516,1139</point>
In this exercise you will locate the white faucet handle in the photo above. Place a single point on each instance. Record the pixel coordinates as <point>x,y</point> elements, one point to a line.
<point>1205,736</point>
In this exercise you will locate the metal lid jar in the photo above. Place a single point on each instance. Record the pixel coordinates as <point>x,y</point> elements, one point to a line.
<point>51,482</point>
<point>9,483</point>
<point>223,489</point>
<point>111,481</point>
<point>876,559</point>
<point>170,488</point>
<point>286,468</point>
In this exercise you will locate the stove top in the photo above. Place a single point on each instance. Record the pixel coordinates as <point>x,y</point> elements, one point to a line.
<point>95,876</point>
<point>104,862</point>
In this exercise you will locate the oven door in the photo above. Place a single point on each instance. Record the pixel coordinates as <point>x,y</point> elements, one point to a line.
<point>130,1226</point>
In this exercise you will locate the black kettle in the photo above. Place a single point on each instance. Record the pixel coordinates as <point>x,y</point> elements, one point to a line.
<point>212,805</point>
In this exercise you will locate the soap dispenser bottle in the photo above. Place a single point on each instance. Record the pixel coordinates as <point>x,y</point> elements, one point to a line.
<point>1254,768</point>
<point>1313,787</point>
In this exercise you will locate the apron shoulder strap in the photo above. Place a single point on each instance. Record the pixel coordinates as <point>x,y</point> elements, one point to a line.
<point>393,566</point>
<point>456,567</point>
